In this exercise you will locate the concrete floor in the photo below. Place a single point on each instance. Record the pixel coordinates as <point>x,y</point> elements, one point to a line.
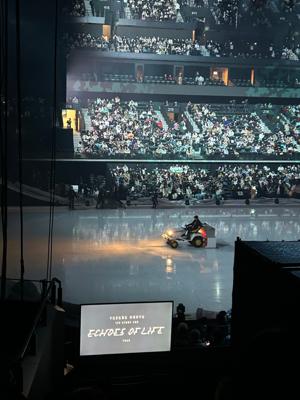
<point>118,255</point>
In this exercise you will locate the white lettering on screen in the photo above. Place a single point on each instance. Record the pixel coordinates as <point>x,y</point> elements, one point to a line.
<point>151,330</point>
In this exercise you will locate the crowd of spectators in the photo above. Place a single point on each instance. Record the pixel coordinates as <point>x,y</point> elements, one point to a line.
<point>246,49</point>
<point>223,133</point>
<point>180,182</point>
<point>86,40</point>
<point>156,45</point>
<point>74,8</point>
<point>157,10</point>
<point>123,129</point>
<point>225,11</point>
<point>139,44</point>
<point>291,114</point>
<point>211,330</point>
<point>231,13</point>
<point>131,129</point>
<point>261,13</point>
<point>181,46</point>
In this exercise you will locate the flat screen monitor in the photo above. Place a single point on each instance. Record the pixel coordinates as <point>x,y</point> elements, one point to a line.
<point>125,328</point>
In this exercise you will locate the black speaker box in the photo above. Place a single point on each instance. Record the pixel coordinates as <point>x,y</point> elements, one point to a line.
<point>64,142</point>
<point>266,290</point>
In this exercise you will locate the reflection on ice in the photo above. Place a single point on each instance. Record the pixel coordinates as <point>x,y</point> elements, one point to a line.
<point>119,255</point>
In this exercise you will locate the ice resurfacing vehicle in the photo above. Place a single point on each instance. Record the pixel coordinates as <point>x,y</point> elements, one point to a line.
<point>202,237</point>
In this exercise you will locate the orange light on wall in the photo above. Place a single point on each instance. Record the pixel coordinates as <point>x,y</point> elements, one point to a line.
<point>225,76</point>
<point>252,77</point>
<point>219,74</point>
<point>193,35</point>
<point>78,122</point>
<point>106,31</point>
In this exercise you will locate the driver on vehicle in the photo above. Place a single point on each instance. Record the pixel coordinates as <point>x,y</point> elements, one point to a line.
<point>193,226</point>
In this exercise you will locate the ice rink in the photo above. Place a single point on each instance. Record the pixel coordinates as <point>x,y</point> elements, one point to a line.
<point>118,255</point>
